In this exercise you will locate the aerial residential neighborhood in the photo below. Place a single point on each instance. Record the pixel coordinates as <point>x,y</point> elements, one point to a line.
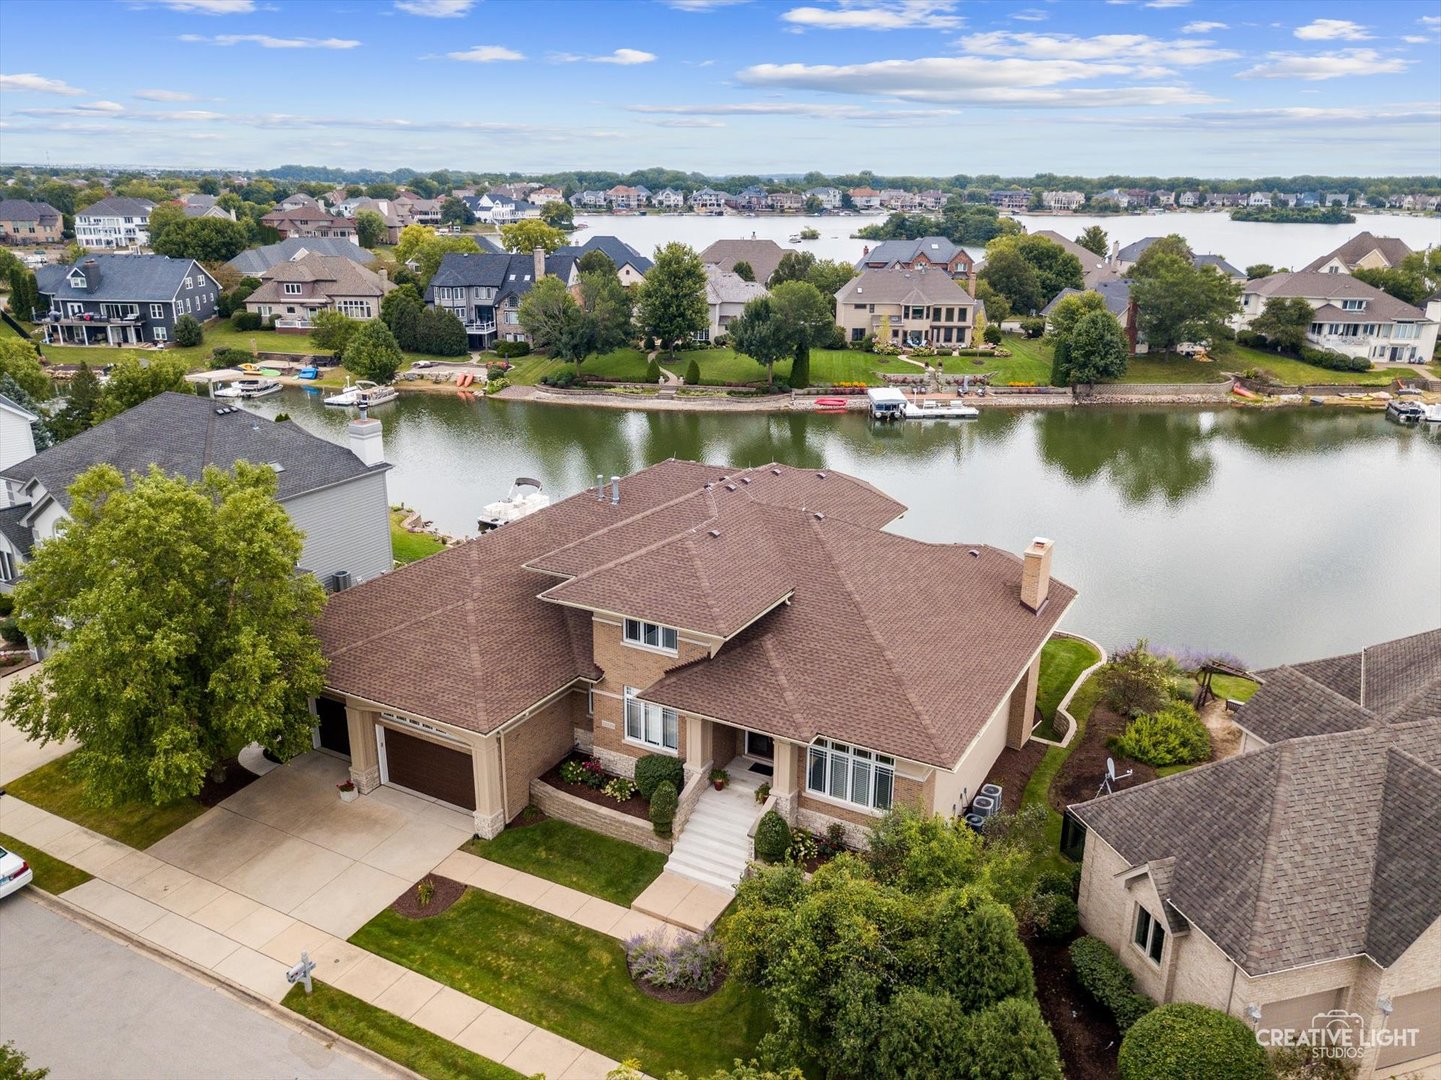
<point>721,541</point>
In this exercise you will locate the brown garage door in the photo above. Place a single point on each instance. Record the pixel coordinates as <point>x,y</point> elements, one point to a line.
<point>429,768</point>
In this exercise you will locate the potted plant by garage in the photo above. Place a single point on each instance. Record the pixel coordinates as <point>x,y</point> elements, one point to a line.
<point>347,791</point>
<point>719,777</point>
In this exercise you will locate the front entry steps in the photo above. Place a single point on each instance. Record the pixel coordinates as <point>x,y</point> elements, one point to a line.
<point>714,847</point>
<point>683,902</point>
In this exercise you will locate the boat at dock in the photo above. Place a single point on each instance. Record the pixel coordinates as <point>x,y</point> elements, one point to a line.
<point>888,403</point>
<point>526,497</point>
<point>249,388</point>
<point>363,393</point>
<point>1432,414</point>
<point>1406,412</point>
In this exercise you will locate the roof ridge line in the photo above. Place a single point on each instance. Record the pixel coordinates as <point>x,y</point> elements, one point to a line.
<point>529,563</point>
<point>1329,691</point>
<point>1286,755</point>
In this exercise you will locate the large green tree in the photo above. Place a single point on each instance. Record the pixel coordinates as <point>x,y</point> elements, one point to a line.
<point>1413,282</point>
<point>1177,302</point>
<point>558,215</point>
<point>525,236</point>
<point>135,379</point>
<point>759,334</point>
<point>1055,268</point>
<point>20,360</point>
<point>1172,244</point>
<point>205,239</point>
<point>331,330</point>
<point>24,292</point>
<point>807,321</point>
<point>608,305</point>
<point>1071,310</point>
<point>372,352</point>
<point>82,403</point>
<point>179,629</point>
<point>453,211</point>
<point>794,266</point>
<point>1093,238</point>
<point>830,276</point>
<point>671,305</point>
<point>1284,322</point>
<point>555,322</point>
<point>1015,280</point>
<point>1096,350</point>
<point>369,229</point>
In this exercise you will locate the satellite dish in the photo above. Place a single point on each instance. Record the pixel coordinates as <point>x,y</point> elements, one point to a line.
<point>1110,768</point>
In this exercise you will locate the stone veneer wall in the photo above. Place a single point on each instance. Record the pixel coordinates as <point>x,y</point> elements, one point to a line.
<point>601,819</point>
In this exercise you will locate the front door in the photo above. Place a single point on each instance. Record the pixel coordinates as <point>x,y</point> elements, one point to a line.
<point>332,731</point>
<point>760,746</point>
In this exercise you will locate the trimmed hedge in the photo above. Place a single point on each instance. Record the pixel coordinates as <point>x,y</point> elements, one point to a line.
<point>246,320</point>
<point>655,769</point>
<point>663,804</point>
<point>1173,735</point>
<point>1103,976</point>
<point>1334,361</point>
<point>1184,1041</point>
<point>773,837</point>
<point>508,350</point>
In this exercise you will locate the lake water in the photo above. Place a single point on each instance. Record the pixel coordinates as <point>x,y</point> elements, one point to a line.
<point>1275,536</point>
<point>1242,243</point>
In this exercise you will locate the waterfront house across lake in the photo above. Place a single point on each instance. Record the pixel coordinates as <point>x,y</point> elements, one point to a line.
<point>760,620</point>
<point>123,299</point>
<point>1351,317</point>
<point>914,307</point>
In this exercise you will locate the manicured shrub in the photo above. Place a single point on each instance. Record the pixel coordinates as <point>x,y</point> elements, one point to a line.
<point>7,608</point>
<point>692,373</point>
<point>188,332</point>
<point>921,1035</point>
<point>993,334</point>
<point>508,350</point>
<point>1334,361</point>
<point>1184,1041</point>
<point>563,377</point>
<point>773,837</point>
<point>1101,973</point>
<point>1048,915</point>
<point>1033,326</point>
<point>663,805</point>
<point>224,358</point>
<point>655,769</point>
<point>11,633</point>
<point>983,961</point>
<point>1136,682</point>
<point>652,371</point>
<point>1011,1039</point>
<point>1174,735</point>
<point>246,320</point>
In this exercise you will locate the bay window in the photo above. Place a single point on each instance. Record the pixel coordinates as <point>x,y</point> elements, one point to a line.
<point>651,635</point>
<point>649,723</point>
<point>850,774</point>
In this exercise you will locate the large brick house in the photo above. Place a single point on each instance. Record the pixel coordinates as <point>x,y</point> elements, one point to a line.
<point>757,619</point>
<point>24,222</point>
<point>906,308</point>
<point>1300,881</point>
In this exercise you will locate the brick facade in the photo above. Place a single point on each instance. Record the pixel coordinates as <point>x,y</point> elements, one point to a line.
<point>601,819</point>
<point>536,745</point>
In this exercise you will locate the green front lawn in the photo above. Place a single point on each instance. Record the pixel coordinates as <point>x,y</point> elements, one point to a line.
<point>1029,362</point>
<point>1291,372</point>
<point>1062,661</point>
<point>51,874</point>
<point>399,1040</point>
<point>1169,368</point>
<point>408,547</point>
<point>569,855</point>
<point>568,980</point>
<point>138,824</point>
<point>622,365</point>
<point>529,370</point>
<point>721,366</point>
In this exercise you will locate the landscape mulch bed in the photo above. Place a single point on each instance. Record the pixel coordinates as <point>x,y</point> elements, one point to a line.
<point>676,995</point>
<point>447,892</point>
<point>635,806</point>
<point>237,776</point>
<point>1012,771</point>
<point>1084,1031</point>
<point>1081,775</point>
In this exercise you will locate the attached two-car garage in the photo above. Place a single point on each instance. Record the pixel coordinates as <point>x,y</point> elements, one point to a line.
<point>426,766</point>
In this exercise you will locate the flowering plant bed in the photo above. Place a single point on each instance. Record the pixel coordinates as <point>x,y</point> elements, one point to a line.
<point>689,969</point>
<point>585,778</point>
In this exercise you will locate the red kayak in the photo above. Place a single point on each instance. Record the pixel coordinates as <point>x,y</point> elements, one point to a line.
<point>831,403</point>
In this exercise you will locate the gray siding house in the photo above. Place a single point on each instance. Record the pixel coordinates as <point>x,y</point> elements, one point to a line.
<point>123,299</point>
<point>334,494</point>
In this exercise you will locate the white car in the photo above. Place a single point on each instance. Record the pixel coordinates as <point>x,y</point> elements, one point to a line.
<point>15,872</point>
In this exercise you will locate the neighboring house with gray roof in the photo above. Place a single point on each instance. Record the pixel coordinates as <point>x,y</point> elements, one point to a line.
<point>484,290</point>
<point>1116,292</point>
<point>255,261</point>
<point>1364,251</point>
<point>1094,268</point>
<point>763,256</point>
<point>630,265</point>
<point>1351,317</point>
<point>914,307</point>
<point>1124,258</point>
<point>25,222</point>
<point>928,251</point>
<point>726,295</point>
<point>334,494</point>
<point>1297,881</point>
<point>114,222</point>
<point>123,299</point>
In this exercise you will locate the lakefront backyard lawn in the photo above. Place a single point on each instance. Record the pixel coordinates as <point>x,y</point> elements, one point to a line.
<point>568,980</point>
<point>1062,661</point>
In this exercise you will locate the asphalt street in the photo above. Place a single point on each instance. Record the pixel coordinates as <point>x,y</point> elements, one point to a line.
<point>91,1008</point>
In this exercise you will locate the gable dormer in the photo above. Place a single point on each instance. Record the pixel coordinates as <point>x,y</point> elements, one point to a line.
<point>77,279</point>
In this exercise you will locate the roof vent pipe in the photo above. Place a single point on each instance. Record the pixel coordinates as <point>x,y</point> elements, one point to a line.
<point>615,490</point>
<point>600,487</point>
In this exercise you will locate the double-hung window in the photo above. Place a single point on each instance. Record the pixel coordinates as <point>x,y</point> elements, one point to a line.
<point>649,723</point>
<point>650,635</point>
<point>851,774</point>
<point>1149,935</point>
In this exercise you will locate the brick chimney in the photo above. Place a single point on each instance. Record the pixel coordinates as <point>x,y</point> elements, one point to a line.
<point>1036,573</point>
<point>539,256</point>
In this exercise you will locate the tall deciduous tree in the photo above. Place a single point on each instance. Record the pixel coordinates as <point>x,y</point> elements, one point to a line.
<point>135,379</point>
<point>1097,350</point>
<point>742,270</point>
<point>1178,302</point>
<point>830,276</point>
<point>529,235</point>
<point>594,260</point>
<point>794,266</point>
<point>806,320</point>
<point>180,630</point>
<point>554,321</point>
<point>1014,279</point>
<point>757,333</point>
<point>608,306</point>
<point>1055,268</point>
<point>204,239</point>
<point>453,211</point>
<point>1173,244</point>
<point>369,229</point>
<point>372,352</point>
<point>1284,322</point>
<point>331,330</point>
<point>558,215</point>
<point>1071,310</point>
<point>20,361</point>
<point>1093,238</point>
<point>671,305</point>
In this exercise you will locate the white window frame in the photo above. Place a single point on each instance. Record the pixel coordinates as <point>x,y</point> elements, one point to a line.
<point>651,725</point>
<point>292,288</point>
<point>639,634</point>
<point>1148,935</point>
<point>157,311</point>
<point>846,770</point>
<point>7,566</point>
<point>161,334</point>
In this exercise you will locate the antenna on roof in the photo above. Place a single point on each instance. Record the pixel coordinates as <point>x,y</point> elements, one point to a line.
<point>1109,780</point>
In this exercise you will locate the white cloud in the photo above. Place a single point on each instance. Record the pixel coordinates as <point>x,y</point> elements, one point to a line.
<point>1404,113</point>
<point>38,84</point>
<point>113,110</point>
<point>163,95</point>
<point>486,54</point>
<point>1416,39</point>
<point>1430,20</point>
<point>702,6</point>
<point>1168,3</point>
<point>687,122</point>
<point>1203,27</point>
<point>211,7</point>
<point>1314,68</point>
<point>1332,30</point>
<point>265,41</point>
<point>435,9</point>
<point>877,15</point>
<point>623,57</point>
<point>794,108</point>
<point>1183,52</point>
<point>1031,15</point>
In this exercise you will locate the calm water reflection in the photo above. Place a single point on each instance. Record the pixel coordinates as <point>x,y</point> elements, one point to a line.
<point>1276,536</point>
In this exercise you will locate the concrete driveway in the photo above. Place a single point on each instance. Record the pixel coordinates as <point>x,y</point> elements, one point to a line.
<point>18,753</point>
<point>289,843</point>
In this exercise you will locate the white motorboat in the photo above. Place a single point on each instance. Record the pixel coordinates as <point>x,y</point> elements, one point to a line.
<point>1432,414</point>
<point>940,410</point>
<point>249,388</point>
<point>526,497</point>
<point>345,396</point>
<point>363,392</point>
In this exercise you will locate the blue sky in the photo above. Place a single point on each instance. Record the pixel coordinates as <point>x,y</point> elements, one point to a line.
<point>926,87</point>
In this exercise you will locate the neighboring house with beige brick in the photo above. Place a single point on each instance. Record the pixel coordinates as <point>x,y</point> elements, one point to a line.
<point>298,288</point>
<point>726,296</point>
<point>310,221</point>
<point>1301,878</point>
<point>1350,316</point>
<point>1364,251</point>
<point>906,308</point>
<point>754,619</point>
<point>25,222</point>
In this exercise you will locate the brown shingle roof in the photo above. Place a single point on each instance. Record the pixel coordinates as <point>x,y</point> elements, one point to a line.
<point>1308,850</point>
<point>324,276</point>
<point>1314,285</point>
<point>1359,246</point>
<point>763,255</point>
<point>894,285</point>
